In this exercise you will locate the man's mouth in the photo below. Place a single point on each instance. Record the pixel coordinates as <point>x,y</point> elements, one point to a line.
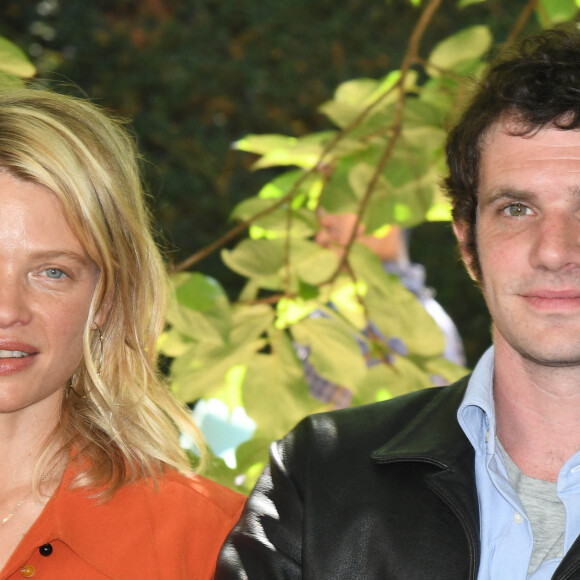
<point>557,300</point>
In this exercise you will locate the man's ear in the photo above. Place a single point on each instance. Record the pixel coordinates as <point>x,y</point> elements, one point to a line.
<point>461,230</point>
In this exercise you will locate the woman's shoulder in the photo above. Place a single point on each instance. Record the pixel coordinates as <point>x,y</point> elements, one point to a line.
<point>191,493</point>
<point>173,502</point>
<point>189,518</point>
<point>174,529</point>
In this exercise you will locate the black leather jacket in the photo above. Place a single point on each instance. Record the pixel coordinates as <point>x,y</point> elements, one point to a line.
<point>383,491</point>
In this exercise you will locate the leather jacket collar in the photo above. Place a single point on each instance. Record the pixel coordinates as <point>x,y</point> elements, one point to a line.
<point>417,441</point>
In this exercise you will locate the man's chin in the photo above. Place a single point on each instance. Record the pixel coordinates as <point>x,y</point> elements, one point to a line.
<point>553,360</point>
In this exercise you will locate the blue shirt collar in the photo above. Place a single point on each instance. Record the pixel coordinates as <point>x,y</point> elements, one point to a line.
<point>476,414</point>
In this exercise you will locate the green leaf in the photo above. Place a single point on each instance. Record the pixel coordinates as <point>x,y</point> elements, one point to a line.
<point>360,177</point>
<point>173,343</point>
<point>352,97</point>
<point>197,326</point>
<point>334,351</point>
<point>302,224</point>
<point>291,310</point>
<point>464,3</point>
<point>265,261</point>
<point>202,371</point>
<point>428,139</point>
<point>255,258</point>
<point>440,212</point>
<point>13,61</point>
<point>199,292</point>
<point>402,195</point>
<point>275,393</point>
<point>305,189</point>
<point>263,144</point>
<point>205,316</point>
<point>349,100</point>
<point>338,195</point>
<point>8,81</point>
<point>304,155</point>
<point>384,381</point>
<point>346,298</point>
<point>303,152</point>
<point>395,311</point>
<point>558,11</point>
<point>466,45</point>
<point>312,264</point>
<point>250,322</point>
<point>308,291</point>
<point>422,114</point>
<point>248,208</point>
<point>251,458</point>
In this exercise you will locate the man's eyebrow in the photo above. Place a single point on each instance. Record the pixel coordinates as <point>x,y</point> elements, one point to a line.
<point>523,195</point>
<point>507,194</point>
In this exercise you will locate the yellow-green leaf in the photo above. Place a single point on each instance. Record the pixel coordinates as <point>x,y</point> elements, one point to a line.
<point>558,11</point>
<point>334,350</point>
<point>13,61</point>
<point>468,44</point>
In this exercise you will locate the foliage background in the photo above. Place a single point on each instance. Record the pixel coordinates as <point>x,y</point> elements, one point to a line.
<point>196,76</point>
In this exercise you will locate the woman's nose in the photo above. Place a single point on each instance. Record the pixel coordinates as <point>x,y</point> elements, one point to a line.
<point>13,303</point>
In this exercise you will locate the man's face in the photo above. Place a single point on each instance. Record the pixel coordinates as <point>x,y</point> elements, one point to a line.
<point>528,240</point>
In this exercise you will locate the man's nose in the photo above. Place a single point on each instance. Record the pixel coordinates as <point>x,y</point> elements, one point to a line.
<point>557,243</point>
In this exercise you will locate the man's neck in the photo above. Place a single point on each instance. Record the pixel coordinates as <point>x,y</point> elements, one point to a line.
<point>536,412</point>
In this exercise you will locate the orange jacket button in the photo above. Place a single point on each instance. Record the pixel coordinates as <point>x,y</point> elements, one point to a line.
<point>27,571</point>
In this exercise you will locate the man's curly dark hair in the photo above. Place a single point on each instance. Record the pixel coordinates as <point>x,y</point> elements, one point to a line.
<point>536,84</point>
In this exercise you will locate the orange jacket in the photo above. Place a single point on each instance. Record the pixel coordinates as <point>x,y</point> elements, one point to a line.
<point>173,534</point>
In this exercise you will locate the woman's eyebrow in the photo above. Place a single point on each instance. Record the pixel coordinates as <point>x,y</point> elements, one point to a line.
<point>56,254</point>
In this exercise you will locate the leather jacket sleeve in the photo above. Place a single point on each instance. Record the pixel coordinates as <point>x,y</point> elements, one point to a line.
<point>267,542</point>
<point>382,491</point>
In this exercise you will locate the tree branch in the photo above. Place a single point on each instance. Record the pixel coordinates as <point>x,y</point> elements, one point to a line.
<point>411,56</point>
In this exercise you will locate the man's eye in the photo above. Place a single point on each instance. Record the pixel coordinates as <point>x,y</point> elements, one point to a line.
<point>54,273</point>
<point>517,209</point>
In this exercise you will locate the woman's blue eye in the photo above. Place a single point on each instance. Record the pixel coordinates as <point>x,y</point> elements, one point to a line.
<point>54,273</point>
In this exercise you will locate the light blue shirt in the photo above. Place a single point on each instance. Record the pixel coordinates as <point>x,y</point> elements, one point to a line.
<point>506,536</point>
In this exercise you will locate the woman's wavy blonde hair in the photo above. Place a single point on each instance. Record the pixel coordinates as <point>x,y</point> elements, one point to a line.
<point>119,420</point>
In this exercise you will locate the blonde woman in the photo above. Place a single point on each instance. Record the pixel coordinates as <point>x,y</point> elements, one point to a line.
<point>93,482</point>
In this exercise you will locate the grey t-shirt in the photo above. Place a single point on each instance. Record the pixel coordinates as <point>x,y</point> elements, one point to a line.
<point>544,509</point>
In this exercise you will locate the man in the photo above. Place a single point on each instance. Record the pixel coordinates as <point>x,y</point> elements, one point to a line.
<point>480,479</point>
<point>391,247</point>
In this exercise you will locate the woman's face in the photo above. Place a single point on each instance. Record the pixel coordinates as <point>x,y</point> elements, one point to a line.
<point>47,282</point>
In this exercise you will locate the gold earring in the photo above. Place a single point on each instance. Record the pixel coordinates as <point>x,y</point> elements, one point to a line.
<point>101,348</point>
<point>71,388</point>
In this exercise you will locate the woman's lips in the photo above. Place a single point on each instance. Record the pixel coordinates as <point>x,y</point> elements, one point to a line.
<point>12,365</point>
<point>15,356</point>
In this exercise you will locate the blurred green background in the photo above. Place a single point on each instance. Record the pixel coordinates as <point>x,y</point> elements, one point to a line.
<point>196,75</point>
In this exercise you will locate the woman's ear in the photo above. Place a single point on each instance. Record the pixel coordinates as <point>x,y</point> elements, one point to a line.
<point>102,313</point>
